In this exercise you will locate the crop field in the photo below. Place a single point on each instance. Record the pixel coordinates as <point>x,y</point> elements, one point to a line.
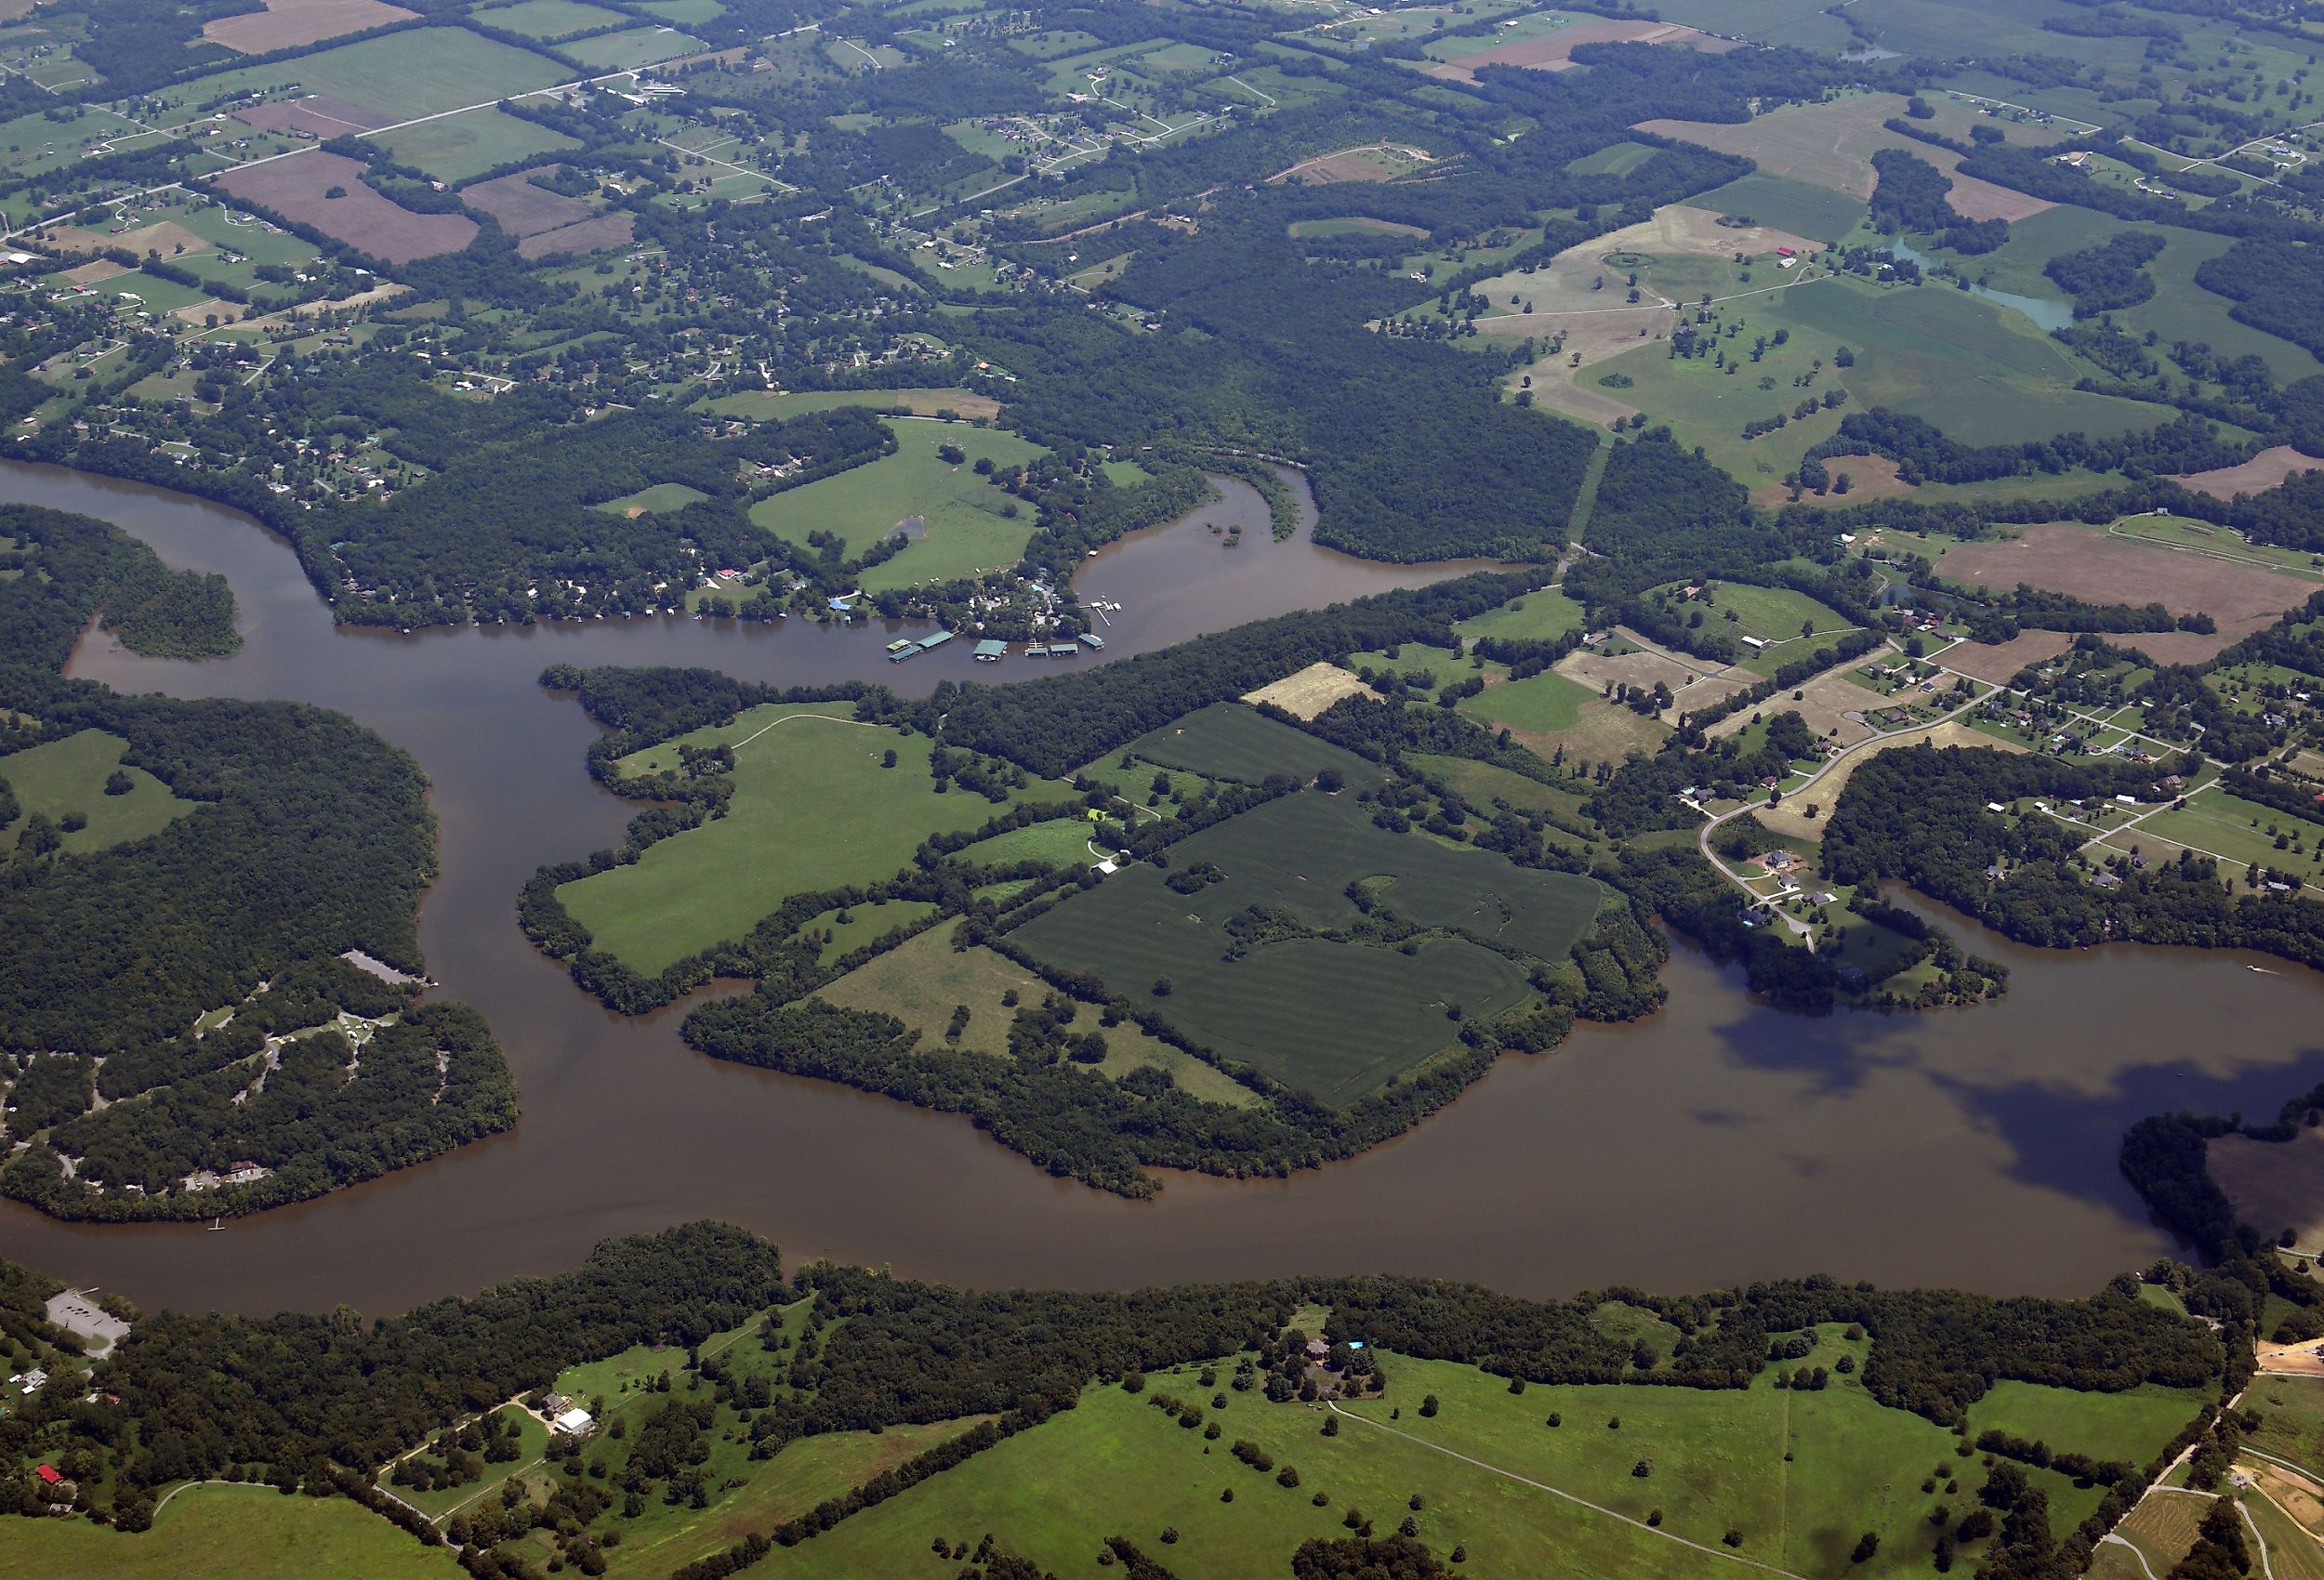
<point>548,18</point>
<point>1310,691</point>
<point>1229,741</point>
<point>1830,145</point>
<point>2096,566</point>
<point>1538,616</point>
<point>521,205</point>
<point>953,515</point>
<point>293,24</point>
<point>2261,472</point>
<point>603,234</point>
<point>460,147</point>
<point>251,1532</point>
<point>2181,309</point>
<point>1554,51</point>
<point>1061,842</point>
<point>684,13</point>
<point>1800,23</point>
<point>1997,663</point>
<point>813,808</point>
<point>1335,1020</point>
<point>299,188</point>
<point>922,983</point>
<point>2274,1184</point>
<point>60,777</point>
<point>399,77</point>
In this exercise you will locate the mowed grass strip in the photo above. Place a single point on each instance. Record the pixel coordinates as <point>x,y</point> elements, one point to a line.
<point>1232,740</point>
<point>962,527</point>
<point>811,809</point>
<point>62,777</point>
<point>251,1532</point>
<point>1334,1020</point>
<point>1539,616</point>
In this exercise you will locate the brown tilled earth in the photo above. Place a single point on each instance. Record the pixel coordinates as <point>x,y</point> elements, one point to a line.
<point>1996,664</point>
<point>591,235</point>
<point>2069,557</point>
<point>292,24</point>
<point>2257,475</point>
<point>295,187</point>
<point>1554,51</point>
<point>523,208</point>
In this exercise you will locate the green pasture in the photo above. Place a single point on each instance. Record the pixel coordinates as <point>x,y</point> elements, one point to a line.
<point>548,18</point>
<point>654,499</point>
<point>2128,1426</point>
<point>2181,309</point>
<point>2243,831</point>
<point>866,922</point>
<point>2292,1419</point>
<point>62,777</point>
<point>459,148</point>
<point>33,145</point>
<point>1540,704</point>
<point>2186,532</point>
<point>1614,159</point>
<point>922,983</point>
<point>1062,842</point>
<point>404,75</point>
<point>1230,741</point>
<point>639,46</point>
<point>1481,784</point>
<point>1538,616</point>
<point>684,13</point>
<point>1334,1019</point>
<point>813,808</point>
<point>964,530</point>
<point>1441,668</point>
<point>250,1533</point>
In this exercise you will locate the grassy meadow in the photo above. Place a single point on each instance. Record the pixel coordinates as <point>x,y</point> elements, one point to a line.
<point>249,1532</point>
<point>61,778</point>
<point>962,528</point>
<point>1229,741</point>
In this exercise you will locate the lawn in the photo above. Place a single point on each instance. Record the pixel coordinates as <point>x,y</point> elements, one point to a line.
<point>459,148</point>
<point>1538,616</point>
<point>2224,825</point>
<point>249,1532</point>
<point>1230,741</point>
<point>813,808</point>
<point>1776,616</point>
<point>62,777</point>
<point>1333,1018</point>
<point>955,519</point>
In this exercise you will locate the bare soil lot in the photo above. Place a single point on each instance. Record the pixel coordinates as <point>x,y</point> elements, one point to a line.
<point>94,272</point>
<point>319,114</point>
<point>1824,706</point>
<point>590,235</point>
<point>2257,475</point>
<point>1378,161</point>
<point>1554,51</point>
<point>1995,664</point>
<point>1694,682</point>
<point>2274,1184</point>
<point>1308,693</point>
<point>1831,146</point>
<point>292,24</point>
<point>2069,557</point>
<point>295,187</point>
<point>523,208</point>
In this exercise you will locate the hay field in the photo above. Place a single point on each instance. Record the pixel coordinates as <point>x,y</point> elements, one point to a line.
<point>292,24</point>
<point>2070,558</point>
<point>1997,663</point>
<point>1310,691</point>
<point>522,208</point>
<point>2261,472</point>
<point>602,233</point>
<point>1831,146</point>
<point>1791,819</point>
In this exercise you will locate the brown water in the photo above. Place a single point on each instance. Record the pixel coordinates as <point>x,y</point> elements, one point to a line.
<point>1718,1142</point>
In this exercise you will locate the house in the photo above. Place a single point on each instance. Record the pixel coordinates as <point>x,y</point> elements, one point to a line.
<point>573,1422</point>
<point>49,1474</point>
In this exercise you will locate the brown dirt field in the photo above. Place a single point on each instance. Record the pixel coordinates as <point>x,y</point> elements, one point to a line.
<point>1792,817</point>
<point>293,187</point>
<point>2163,1526</point>
<point>1354,166</point>
<point>164,238</point>
<point>291,24</point>
<point>1824,706</point>
<point>2299,1497</point>
<point>94,272</point>
<point>1995,664</point>
<point>12,9</point>
<point>2257,475</point>
<point>1308,693</point>
<point>2274,1184</point>
<point>196,313</point>
<point>381,293</point>
<point>319,114</point>
<point>1869,477</point>
<point>1831,146</point>
<point>1554,51</point>
<point>2069,557</point>
<point>2300,1360</point>
<point>1694,683</point>
<point>1560,293</point>
<point>523,209</point>
<point>605,232</point>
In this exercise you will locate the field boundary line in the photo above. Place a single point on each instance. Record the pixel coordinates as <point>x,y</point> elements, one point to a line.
<point>1570,1497</point>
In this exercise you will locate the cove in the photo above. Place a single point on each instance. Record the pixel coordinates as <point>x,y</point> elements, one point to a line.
<point>1717,1142</point>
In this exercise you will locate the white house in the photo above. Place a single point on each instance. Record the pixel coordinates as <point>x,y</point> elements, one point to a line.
<point>573,1423</point>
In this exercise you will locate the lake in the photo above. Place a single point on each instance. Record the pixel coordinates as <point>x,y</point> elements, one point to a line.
<point>1716,1142</point>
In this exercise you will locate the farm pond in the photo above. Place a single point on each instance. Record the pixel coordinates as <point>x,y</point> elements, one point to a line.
<point>1713,1144</point>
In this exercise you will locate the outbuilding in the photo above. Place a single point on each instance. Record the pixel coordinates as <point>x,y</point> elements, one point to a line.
<point>574,1422</point>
